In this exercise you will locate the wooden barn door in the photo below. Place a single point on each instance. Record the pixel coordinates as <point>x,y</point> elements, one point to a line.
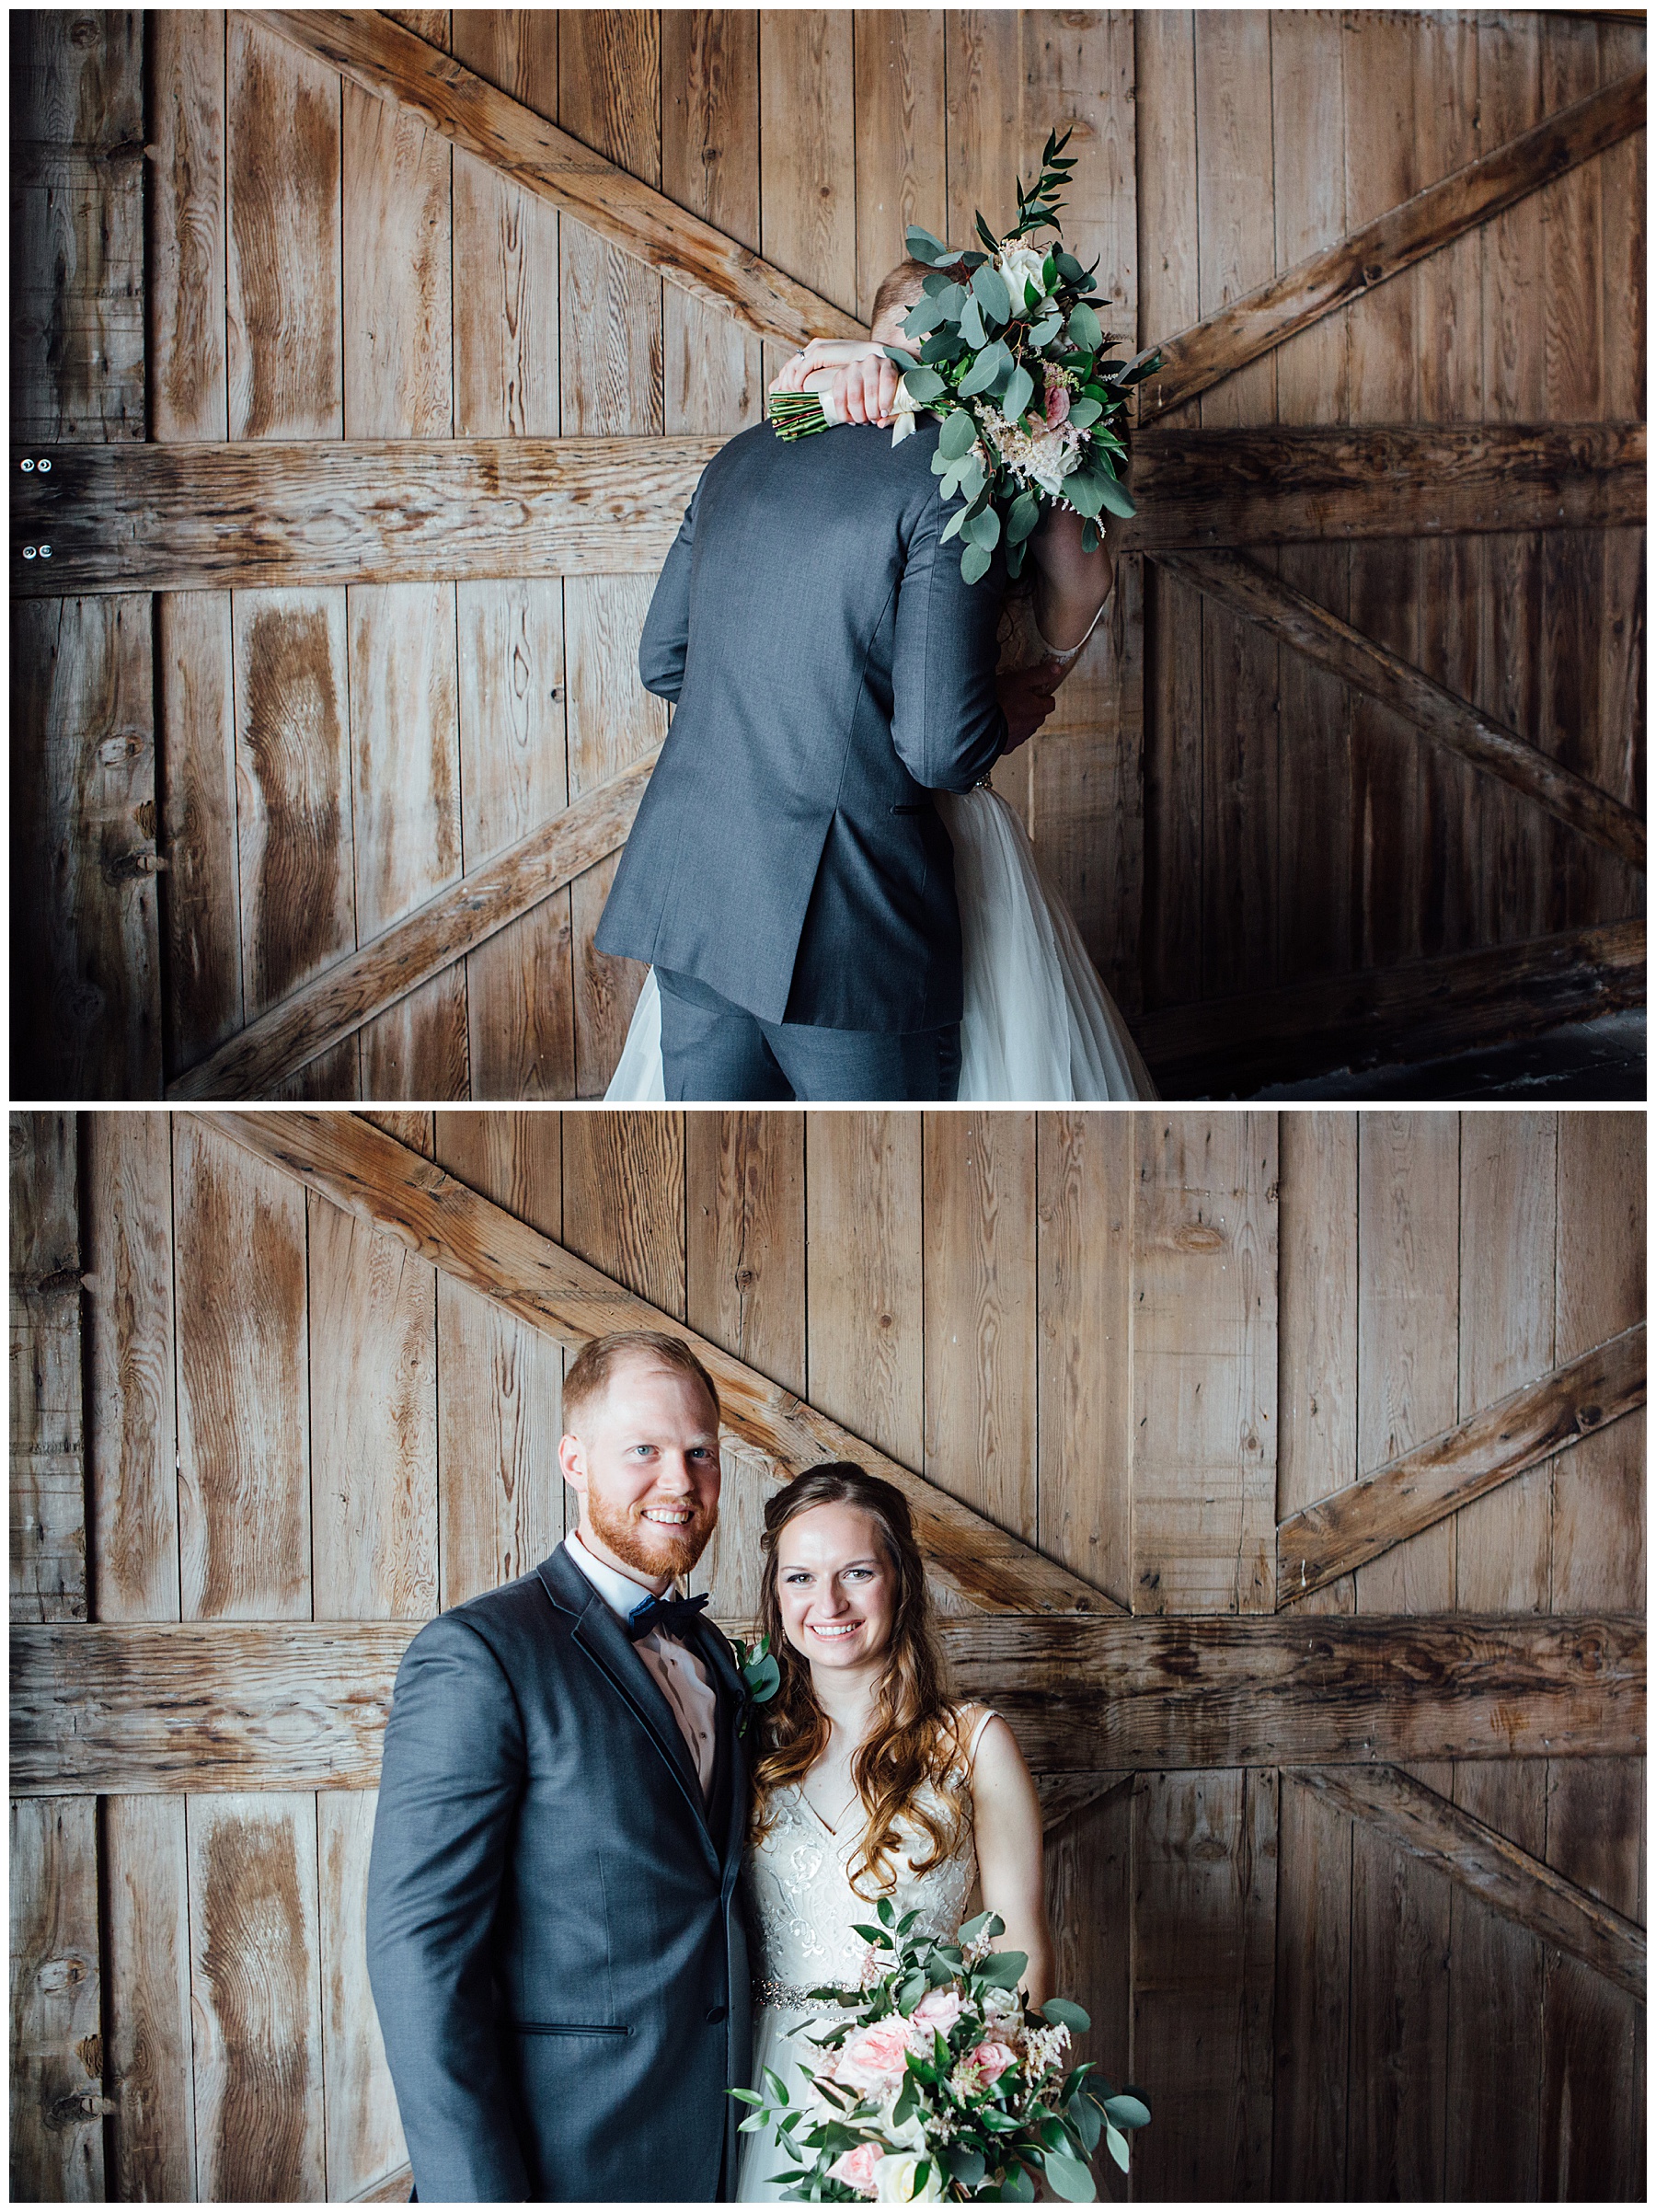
<point>441,318</point>
<point>1284,1487</point>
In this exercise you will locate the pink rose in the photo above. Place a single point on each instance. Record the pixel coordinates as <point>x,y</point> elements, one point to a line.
<point>855,2167</point>
<point>876,2056</point>
<point>1057,405</point>
<point>991,2059</point>
<point>938,2010</point>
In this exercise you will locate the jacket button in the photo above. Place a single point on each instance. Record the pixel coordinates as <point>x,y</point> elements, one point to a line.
<point>715,2014</point>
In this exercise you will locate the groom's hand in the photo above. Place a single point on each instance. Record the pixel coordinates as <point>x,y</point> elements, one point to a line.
<point>1026,699</point>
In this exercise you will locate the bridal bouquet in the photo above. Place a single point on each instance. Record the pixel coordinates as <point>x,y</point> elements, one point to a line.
<point>1015,362</point>
<point>943,2084</point>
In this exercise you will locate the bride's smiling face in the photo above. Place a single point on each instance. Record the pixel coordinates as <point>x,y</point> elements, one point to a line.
<point>835,1586</point>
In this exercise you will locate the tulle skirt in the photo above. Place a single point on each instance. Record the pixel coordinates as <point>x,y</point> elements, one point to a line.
<point>1036,1024</point>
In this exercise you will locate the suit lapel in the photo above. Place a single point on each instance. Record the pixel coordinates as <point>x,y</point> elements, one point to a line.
<point>715,1650</point>
<point>605,1642</point>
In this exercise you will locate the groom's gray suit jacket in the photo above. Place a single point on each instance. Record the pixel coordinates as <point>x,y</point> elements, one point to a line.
<point>830,668</point>
<point>555,1941</point>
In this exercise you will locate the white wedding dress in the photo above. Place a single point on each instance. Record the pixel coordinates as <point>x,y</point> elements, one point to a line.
<point>1036,1024</point>
<point>801,1910</point>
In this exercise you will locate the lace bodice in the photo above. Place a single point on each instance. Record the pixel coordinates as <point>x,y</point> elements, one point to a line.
<point>802,1905</point>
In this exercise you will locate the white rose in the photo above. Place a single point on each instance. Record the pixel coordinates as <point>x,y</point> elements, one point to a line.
<point>895,2181</point>
<point>1018,263</point>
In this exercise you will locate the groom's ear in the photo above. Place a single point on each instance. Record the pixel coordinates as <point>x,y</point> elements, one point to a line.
<point>571,1459</point>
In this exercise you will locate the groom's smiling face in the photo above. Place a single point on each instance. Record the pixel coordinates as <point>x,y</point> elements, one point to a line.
<point>645,1463</point>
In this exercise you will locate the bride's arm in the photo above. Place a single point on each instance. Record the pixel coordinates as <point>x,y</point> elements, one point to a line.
<point>1071,586</point>
<point>1006,1818</point>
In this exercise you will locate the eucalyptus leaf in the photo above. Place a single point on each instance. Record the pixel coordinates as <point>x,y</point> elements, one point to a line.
<point>1068,267</point>
<point>1024,515</point>
<point>975,563</point>
<point>973,482</point>
<point>953,526</point>
<point>1127,2112</point>
<point>1085,494</point>
<point>972,323</point>
<point>967,2167</point>
<point>1114,496</point>
<point>1018,2187</point>
<point>1014,561</point>
<point>926,384</point>
<point>959,434</point>
<point>983,528</point>
<point>1046,329</point>
<point>1020,390</point>
<point>1092,537</point>
<point>985,371</point>
<point>1004,1969</point>
<point>923,316</point>
<point>946,345</point>
<point>1117,2144</point>
<point>1062,2013</point>
<point>1083,413</point>
<point>1069,2177</point>
<point>982,1924</point>
<point>1084,327</point>
<point>923,247</point>
<point>990,288</point>
<point>1089,2123</point>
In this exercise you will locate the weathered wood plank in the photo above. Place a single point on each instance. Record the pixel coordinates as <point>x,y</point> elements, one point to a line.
<point>255,1987</point>
<point>487,507</point>
<point>364,2134</point>
<point>1084,1292</point>
<point>77,335</point>
<point>1203,1245</point>
<point>86,1016</point>
<point>376,54</point>
<point>335,1003</point>
<point>500,1383</point>
<point>1318,1307</point>
<point>292,1705</point>
<point>1380,674</point>
<point>1248,327</point>
<point>373,1176</point>
<point>148,1976</point>
<point>131,1367</point>
<point>1204,1856</point>
<point>47,1446</point>
<point>1313,2011</point>
<point>243,1432</point>
<point>1232,1046</point>
<point>57,2100</point>
<point>1352,1526</point>
<point>1521,1888</point>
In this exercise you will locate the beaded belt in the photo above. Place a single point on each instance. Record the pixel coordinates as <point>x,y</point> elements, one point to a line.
<point>789,1996</point>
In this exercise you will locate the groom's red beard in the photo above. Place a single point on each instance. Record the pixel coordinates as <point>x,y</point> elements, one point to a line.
<point>647,1546</point>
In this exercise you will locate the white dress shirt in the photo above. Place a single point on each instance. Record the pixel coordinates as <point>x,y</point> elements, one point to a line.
<point>678,1674</point>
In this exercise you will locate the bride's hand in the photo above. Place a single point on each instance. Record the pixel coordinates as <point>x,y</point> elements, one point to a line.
<point>820,353</point>
<point>864,391</point>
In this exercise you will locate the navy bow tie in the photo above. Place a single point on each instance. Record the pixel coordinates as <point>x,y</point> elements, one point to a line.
<point>673,1615</point>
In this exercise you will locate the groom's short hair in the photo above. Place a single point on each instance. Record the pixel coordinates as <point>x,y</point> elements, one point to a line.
<point>593,1365</point>
<point>900,287</point>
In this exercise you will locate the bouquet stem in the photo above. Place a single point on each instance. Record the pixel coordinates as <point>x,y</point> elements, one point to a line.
<point>796,414</point>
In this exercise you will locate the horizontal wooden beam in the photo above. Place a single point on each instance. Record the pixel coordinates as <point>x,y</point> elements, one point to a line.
<point>1352,1526</point>
<point>1520,1887</point>
<point>1245,589</point>
<point>335,1003</point>
<point>400,1193</point>
<point>375,52</point>
<point>1228,340</point>
<point>1421,1009</point>
<point>177,518</point>
<point>182,518</point>
<point>153,1707</point>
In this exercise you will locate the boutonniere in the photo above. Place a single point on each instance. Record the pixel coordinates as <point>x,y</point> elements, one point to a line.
<point>761,1677</point>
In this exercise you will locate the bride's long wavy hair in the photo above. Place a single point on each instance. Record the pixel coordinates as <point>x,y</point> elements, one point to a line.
<point>912,1761</point>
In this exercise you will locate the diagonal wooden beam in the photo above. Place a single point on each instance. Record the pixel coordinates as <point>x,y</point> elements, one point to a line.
<point>337,1003</point>
<point>377,54</point>
<point>273,512</point>
<point>1380,1016</point>
<point>1493,1869</point>
<point>1244,588</point>
<point>140,1707</point>
<point>1241,332</point>
<point>401,1193</point>
<point>1357,1523</point>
